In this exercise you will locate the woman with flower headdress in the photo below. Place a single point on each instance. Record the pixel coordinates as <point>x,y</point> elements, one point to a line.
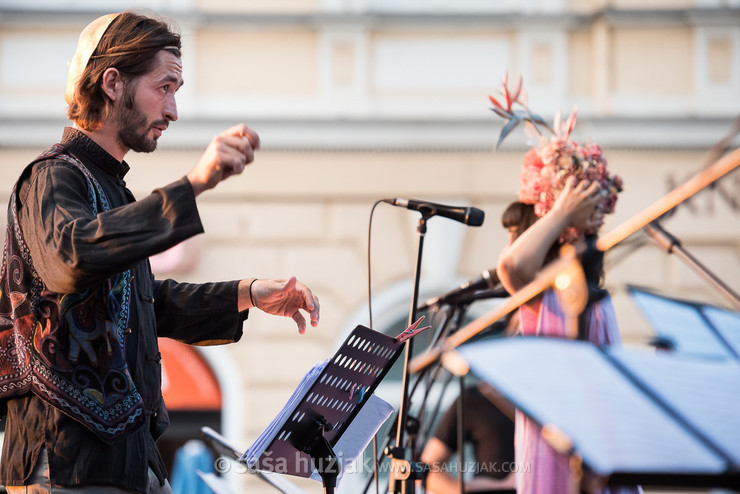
<point>571,190</point>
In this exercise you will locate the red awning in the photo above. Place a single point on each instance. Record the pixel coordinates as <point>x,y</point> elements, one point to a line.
<point>188,383</point>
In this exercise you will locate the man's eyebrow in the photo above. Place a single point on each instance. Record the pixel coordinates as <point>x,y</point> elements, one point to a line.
<point>171,78</point>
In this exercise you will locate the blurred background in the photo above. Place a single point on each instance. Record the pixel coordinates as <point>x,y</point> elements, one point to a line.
<point>360,100</point>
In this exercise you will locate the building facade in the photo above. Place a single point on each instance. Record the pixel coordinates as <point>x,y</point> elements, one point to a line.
<point>360,100</point>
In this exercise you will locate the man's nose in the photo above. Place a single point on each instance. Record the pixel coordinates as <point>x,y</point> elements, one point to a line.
<point>170,110</point>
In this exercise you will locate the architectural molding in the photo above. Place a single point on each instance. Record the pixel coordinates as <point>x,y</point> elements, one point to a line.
<point>375,134</point>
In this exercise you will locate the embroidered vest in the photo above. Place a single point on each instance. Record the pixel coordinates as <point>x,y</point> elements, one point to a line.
<point>67,348</point>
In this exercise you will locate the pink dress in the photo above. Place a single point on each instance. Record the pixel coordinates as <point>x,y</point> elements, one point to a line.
<point>547,471</point>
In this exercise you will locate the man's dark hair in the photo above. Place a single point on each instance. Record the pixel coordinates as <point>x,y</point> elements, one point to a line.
<point>129,44</point>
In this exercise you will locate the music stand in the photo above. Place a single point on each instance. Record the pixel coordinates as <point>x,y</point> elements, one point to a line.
<point>313,428</point>
<point>627,417</point>
<point>690,328</point>
<point>227,450</point>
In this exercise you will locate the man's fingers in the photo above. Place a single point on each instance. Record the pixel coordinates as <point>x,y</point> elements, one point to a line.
<point>290,284</point>
<point>300,321</point>
<point>232,162</point>
<point>240,145</point>
<point>252,137</point>
<point>315,312</point>
<point>243,132</point>
<point>236,131</point>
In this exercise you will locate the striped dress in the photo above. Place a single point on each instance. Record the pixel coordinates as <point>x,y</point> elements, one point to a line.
<point>548,470</point>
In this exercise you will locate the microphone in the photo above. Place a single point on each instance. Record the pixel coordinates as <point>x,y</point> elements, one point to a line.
<point>469,216</point>
<point>488,280</point>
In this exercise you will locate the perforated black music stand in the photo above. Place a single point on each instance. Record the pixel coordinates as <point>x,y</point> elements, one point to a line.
<point>232,453</point>
<point>628,416</point>
<point>306,440</point>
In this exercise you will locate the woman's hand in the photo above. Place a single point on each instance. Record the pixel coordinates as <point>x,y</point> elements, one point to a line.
<point>578,203</point>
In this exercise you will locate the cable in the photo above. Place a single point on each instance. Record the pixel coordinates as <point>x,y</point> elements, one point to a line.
<point>369,284</point>
<point>370,325</point>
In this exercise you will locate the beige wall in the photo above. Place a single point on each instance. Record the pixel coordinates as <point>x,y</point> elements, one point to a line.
<point>277,62</point>
<point>653,61</point>
<point>342,128</point>
<point>258,6</point>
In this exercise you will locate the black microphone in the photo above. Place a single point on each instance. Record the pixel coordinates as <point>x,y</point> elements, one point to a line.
<point>470,216</point>
<point>488,280</point>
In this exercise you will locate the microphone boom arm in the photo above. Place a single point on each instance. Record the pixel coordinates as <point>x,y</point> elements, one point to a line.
<point>708,176</point>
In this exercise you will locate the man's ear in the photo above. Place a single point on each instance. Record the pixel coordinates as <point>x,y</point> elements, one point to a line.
<point>112,83</point>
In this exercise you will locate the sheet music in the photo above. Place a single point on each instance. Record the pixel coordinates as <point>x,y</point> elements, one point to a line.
<point>706,393</point>
<point>726,323</point>
<point>336,398</point>
<point>359,434</point>
<point>252,453</point>
<point>682,324</point>
<point>613,425</point>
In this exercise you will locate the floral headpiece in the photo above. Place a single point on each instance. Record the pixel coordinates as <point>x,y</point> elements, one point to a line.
<point>552,160</point>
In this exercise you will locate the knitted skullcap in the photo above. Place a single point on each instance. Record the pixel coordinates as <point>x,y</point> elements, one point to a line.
<point>86,44</point>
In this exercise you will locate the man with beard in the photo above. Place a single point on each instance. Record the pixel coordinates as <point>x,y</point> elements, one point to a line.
<point>80,310</point>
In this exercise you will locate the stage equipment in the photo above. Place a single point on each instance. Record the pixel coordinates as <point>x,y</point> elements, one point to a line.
<point>690,328</point>
<point>333,413</point>
<point>487,282</point>
<point>230,452</point>
<point>706,177</point>
<point>624,417</point>
<point>564,274</point>
<point>547,276</point>
<point>403,470</point>
<point>446,318</point>
<point>469,216</point>
<point>673,246</point>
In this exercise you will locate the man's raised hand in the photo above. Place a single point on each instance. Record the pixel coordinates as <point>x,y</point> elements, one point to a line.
<point>227,154</point>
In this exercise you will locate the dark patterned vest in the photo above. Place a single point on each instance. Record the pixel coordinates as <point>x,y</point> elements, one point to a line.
<point>67,348</point>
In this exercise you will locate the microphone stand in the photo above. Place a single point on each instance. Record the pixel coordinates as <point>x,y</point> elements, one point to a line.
<point>572,285</point>
<point>457,312</point>
<point>706,177</point>
<point>404,473</point>
<point>441,332</point>
<point>452,318</point>
<point>673,246</point>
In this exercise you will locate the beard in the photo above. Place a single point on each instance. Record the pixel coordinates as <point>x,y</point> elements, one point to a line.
<point>133,128</point>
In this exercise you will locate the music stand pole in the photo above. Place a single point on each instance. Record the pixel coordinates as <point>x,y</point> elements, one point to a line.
<point>401,467</point>
<point>441,332</point>
<point>322,454</point>
<point>461,433</point>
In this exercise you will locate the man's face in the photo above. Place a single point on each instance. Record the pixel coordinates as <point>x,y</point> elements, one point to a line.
<point>148,104</point>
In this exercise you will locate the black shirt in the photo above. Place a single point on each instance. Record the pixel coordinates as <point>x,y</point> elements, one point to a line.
<point>489,430</point>
<point>72,249</point>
